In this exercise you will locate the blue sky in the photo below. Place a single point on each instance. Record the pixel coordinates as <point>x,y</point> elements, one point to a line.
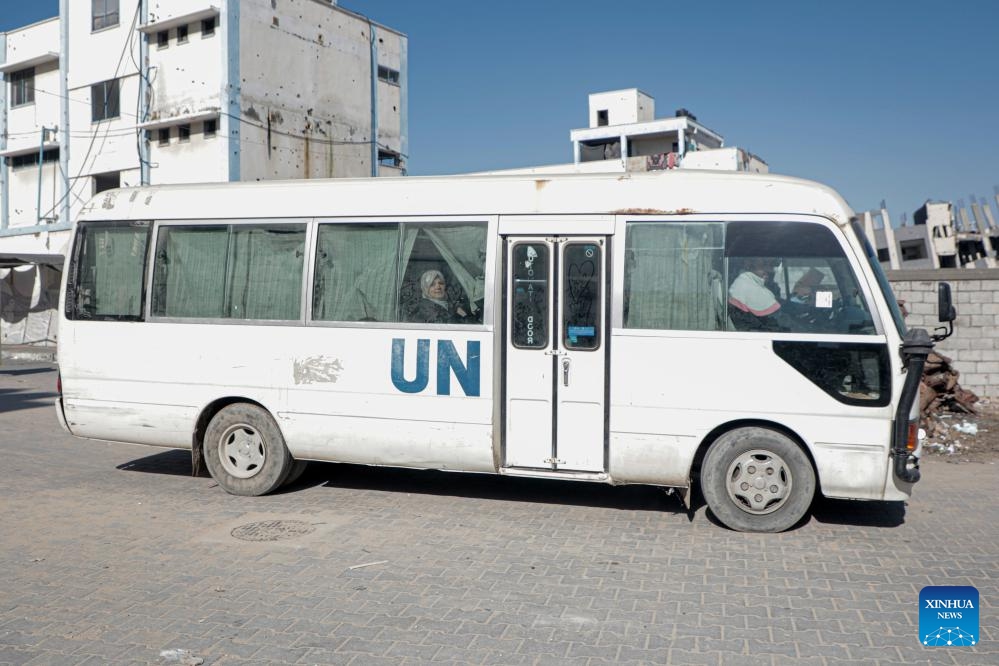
<point>882,99</point>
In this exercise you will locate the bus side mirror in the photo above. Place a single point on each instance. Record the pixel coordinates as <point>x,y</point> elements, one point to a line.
<point>945,312</point>
<point>945,307</point>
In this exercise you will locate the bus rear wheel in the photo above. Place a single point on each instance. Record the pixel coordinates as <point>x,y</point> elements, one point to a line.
<point>757,480</point>
<point>245,452</point>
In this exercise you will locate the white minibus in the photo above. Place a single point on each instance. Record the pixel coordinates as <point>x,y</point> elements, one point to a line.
<point>729,330</point>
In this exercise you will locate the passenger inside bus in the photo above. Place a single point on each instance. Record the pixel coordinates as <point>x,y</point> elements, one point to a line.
<point>434,307</point>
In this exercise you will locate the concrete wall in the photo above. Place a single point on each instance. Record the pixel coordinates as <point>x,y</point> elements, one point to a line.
<point>306,73</point>
<point>623,107</point>
<point>974,347</point>
<point>186,76</point>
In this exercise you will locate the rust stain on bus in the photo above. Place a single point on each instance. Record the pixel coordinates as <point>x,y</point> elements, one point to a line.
<point>541,184</point>
<point>653,211</point>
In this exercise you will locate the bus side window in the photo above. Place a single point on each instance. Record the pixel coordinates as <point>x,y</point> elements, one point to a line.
<point>792,277</point>
<point>243,272</point>
<point>107,273</point>
<point>673,276</point>
<point>383,272</point>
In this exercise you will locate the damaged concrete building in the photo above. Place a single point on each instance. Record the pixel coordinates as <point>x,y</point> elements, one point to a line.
<point>941,235</point>
<point>109,94</point>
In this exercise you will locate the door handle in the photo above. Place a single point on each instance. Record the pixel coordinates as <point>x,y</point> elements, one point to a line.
<point>565,370</point>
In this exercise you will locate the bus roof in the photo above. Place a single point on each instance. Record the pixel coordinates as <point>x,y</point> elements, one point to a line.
<point>652,193</point>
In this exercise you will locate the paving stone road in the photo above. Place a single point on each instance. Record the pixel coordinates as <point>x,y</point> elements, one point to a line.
<point>113,554</point>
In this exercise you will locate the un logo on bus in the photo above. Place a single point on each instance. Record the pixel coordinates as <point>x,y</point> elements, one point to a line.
<point>448,362</point>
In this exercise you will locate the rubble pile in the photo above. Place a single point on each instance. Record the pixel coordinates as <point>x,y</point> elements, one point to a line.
<point>939,390</point>
<point>940,397</point>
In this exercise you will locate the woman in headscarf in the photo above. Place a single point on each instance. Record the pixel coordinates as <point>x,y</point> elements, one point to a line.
<point>434,308</point>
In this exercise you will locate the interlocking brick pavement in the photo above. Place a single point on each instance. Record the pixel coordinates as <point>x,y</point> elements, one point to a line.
<point>112,553</point>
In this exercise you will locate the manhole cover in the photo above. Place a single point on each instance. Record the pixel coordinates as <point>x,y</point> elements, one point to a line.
<point>272,530</point>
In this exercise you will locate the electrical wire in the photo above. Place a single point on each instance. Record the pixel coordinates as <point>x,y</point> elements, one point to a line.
<point>83,165</point>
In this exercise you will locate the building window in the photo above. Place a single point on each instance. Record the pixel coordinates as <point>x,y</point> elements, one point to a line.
<point>107,181</point>
<point>163,136</point>
<point>22,87</point>
<point>603,118</point>
<point>181,34</point>
<point>183,133</point>
<point>211,128</point>
<point>208,27</point>
<point>388,75</point>
<point>389,158</point>
<point>162,39</point>
<point>105,102</point>
<point>31,159</point>
<point>105,14</point>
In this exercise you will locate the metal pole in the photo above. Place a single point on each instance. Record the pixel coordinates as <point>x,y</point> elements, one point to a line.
<point>64,217</point>
<point>41,163</point>
<point>143,94</point>
<point>4,191</point>
<point>374,99</point>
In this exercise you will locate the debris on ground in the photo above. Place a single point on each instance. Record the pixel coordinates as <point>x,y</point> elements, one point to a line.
<point>182,657</point>
<point>954,422</point>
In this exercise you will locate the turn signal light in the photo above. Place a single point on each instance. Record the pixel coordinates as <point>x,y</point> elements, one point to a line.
<point>912,441</point>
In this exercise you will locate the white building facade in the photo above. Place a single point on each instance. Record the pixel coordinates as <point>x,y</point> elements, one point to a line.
<point>623,126</point>
<point>110,94</point>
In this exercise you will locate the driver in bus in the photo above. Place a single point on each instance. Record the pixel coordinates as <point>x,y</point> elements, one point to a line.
<point>752,299</point>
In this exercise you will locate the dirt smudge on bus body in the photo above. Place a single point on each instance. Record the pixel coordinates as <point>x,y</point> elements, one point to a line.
<point>317,370</point>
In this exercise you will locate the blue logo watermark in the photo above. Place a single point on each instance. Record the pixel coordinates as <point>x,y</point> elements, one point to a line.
<point>948,616</point>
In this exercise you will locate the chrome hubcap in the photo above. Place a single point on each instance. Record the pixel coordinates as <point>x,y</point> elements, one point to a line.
<point>241,451</point>
<point>759,482</point>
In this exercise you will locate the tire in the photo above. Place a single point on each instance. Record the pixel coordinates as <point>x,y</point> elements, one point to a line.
<point>298,468</point>
<point>245,452</point>
<point>757,480</point>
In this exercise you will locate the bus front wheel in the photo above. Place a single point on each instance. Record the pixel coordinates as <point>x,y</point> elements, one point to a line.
<point>245,452</point>
<point>757,480</point>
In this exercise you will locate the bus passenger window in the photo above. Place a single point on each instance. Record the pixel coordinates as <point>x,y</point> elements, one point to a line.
<point>673,276</point>
<point>245,272</point>
<point>107,273</point>
<point>424,273</point>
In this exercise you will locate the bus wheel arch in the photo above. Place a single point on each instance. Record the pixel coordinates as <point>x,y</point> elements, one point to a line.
<point>241,444</point>
<point>756,476</point>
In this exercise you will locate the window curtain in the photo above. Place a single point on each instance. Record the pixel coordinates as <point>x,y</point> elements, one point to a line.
<point>357,273</point>
<point>264,277</point>
<point>463,248</point>
<point>360,268</point>
<point>111,270</point>
<point>189,280</point>
<point>672,278</point>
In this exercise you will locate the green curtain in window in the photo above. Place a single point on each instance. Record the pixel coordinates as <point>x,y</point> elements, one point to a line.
<point>189,280</point>
<point>672,278</point>
<point>264,277</point>
<point>359,268</point>
<point>111,271</point>
<point>357,273</point>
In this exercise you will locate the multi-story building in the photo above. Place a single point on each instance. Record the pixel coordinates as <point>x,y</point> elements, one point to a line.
<point>110,94</point>
<point>624,127</point>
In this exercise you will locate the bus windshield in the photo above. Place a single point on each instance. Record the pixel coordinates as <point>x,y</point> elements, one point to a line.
<point>872,259</point>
